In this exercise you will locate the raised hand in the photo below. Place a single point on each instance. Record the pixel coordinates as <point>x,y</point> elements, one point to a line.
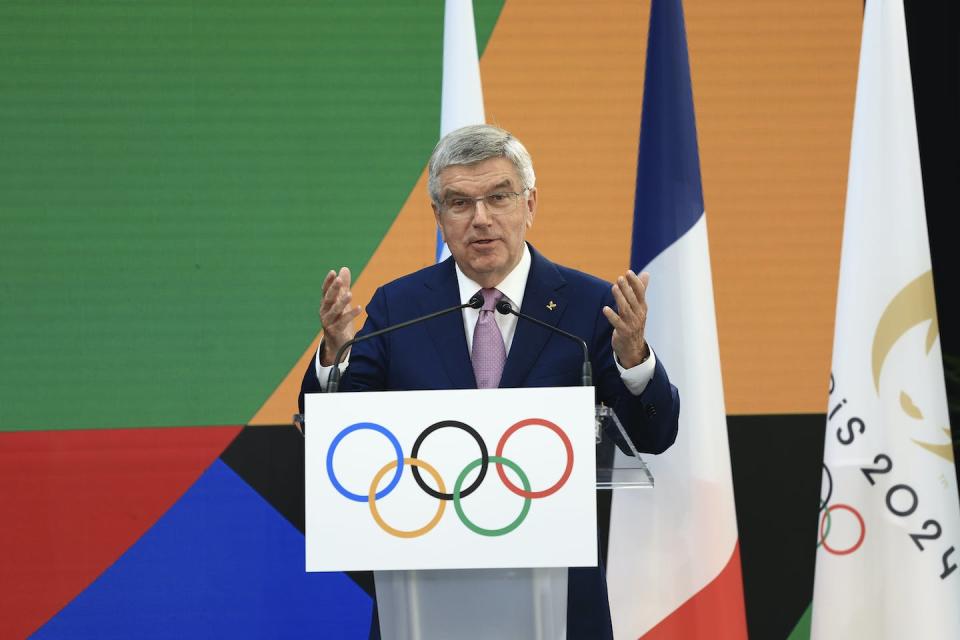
<point>630,319</point>
<point>336,314</point>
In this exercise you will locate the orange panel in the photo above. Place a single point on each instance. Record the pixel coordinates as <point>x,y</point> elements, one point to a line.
<point>774,85</point>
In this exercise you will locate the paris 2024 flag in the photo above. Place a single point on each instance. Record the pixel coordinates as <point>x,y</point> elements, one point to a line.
<point>673,560</point>
<point>889,526</point>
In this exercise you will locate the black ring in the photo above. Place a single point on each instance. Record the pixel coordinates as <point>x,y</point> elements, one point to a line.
<point>484,458</point>
<point>824,503</point>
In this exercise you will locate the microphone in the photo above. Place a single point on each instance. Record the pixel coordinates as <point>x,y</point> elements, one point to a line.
<point>333,382</point>
<point>586,375</point>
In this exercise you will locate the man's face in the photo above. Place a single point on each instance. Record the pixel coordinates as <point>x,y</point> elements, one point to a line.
<point>486,246</point>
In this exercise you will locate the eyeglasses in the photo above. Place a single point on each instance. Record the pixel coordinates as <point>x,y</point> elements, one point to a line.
<point>496,203</point>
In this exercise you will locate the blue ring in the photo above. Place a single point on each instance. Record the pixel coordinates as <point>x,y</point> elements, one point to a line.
<point>356,497</point>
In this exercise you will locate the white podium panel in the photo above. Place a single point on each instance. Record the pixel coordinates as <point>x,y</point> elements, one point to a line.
<point>465,479</point>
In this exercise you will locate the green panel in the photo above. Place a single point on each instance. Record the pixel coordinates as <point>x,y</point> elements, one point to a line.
<point>485,14</point>
<point>176,178</point>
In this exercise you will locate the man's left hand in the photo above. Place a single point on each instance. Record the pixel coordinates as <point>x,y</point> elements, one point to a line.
<point>630,319</point>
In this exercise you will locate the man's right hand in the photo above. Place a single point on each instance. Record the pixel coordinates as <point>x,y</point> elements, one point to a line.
<point>336,314</point>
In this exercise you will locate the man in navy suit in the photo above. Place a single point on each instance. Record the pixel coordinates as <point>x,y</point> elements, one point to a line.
<point>484,198</point>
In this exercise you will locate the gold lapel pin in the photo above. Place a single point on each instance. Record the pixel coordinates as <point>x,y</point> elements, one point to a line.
<point>551,305</point>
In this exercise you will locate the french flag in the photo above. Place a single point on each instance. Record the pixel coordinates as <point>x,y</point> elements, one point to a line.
<point>673,560</point>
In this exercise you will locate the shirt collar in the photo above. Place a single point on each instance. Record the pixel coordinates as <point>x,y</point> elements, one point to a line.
<point>512,287</point>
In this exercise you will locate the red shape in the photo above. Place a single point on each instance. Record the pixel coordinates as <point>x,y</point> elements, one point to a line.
<point>72,502</point>
<point>716,611</point>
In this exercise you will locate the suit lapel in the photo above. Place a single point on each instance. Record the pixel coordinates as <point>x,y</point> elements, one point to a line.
<point>543,299</point>
<point>447,332</point>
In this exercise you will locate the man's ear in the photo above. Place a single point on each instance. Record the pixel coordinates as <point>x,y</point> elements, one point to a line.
<point>531,205</point>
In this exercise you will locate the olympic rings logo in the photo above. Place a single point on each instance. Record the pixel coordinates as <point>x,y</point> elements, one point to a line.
<point>459,491</point>
<point>827,518</point>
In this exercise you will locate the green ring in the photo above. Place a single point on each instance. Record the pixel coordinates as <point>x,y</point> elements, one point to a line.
<point>827,532</point>
<point>463,517</point>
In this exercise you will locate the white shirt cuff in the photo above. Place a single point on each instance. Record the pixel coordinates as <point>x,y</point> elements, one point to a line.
<point>323,371</point>
<point>636,378</point>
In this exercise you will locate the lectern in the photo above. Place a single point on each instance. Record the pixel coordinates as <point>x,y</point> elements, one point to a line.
<point>500,603</point>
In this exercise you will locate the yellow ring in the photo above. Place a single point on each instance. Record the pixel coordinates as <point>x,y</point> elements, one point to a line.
<point>373,499</point>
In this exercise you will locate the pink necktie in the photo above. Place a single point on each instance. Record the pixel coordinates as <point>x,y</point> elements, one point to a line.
<point>488,353</point>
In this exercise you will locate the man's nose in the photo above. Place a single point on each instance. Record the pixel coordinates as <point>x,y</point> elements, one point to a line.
<point>481,215</point>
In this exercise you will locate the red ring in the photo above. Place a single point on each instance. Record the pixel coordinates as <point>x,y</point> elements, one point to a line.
<point>863,530</point>
<point>566,472</point>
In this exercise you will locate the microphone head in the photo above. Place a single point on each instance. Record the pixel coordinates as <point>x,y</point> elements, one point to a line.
<point>476,302</point>
<point>504,307</point>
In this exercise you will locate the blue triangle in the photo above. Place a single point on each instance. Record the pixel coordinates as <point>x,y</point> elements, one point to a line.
<point>222,563</point>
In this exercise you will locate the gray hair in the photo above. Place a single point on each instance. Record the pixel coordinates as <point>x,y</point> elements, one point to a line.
<point>476,143</point>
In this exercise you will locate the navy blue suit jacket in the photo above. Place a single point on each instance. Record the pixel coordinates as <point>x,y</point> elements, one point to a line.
<point>434,355</point>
